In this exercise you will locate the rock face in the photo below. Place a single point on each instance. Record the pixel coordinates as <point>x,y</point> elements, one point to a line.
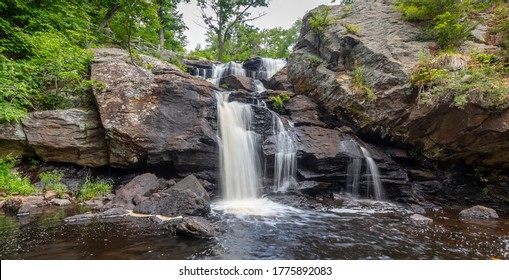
<point>238,82</point>
<point>279,81</point>
<point>74,136</point>
<point>478,212</point>
<point>387,48</point>
<point>13,141</point>
<point>162,117</point>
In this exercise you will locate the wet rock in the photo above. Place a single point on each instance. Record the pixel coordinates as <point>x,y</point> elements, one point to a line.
<point>60,202</point>
<point>417,209</point>
<point>195,227</point>
<point>94,204</point>
<point>141,185</point>
<point>161,117</point>
<point>25,209</point>
<point>81,218</point>
<point>313,187</point>
<point>187,197</point>
<point>33,200</point>
<point>420,220</point>
<point>73,136</point>
<point>279,81</point>
<point>235,82</point>
<point>478,212</point>
<point>304,111</point>
<point>112,213</point>
<point>202,67</point>
<point>12,205</point>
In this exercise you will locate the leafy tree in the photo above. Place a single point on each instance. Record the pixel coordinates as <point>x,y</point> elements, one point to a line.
<point>225,16</point>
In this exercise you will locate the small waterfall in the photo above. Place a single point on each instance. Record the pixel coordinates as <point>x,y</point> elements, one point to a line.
<point>200,73</point>
<point>372,186</point>
<point>239,150</point>
<point>285,159</point>
<point>259,86</point>
<point>222,70</point>
<point>374,174</point>
<point>269,67</point>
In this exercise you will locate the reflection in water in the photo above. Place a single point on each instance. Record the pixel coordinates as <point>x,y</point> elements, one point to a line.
<point>261,229</point>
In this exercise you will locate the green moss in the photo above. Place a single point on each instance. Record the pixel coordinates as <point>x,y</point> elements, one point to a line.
<point>315,60</point>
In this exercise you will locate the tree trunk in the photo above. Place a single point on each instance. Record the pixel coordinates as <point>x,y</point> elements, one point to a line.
<point>220,43</point>
<point>161,29</point>
<point>108,16</point>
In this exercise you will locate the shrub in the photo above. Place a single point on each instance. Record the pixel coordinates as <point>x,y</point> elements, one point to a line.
<point>278,101</point>
<point>315,60</point>
<point>320,19</point>
<point>12,182</point>
<point>449,31</point>
<point>359,82</point>
<point>421,10</point>
<point>51,181</point>
<point>93,188</point>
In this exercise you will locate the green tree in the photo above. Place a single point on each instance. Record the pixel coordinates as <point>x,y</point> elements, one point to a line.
<point>225,16</point>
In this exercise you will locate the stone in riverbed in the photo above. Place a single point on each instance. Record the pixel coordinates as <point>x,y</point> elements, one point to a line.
<point>420,220</point>
<point>60,202</point>
<point>12,205</point>
<point>238,82</point>
<point>478,212</point>
<point>140,186</point>
<point>194,227</point>
<point>187,197</point>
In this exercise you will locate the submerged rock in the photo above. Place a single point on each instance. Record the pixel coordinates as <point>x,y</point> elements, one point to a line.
<point>194,227</point>
<point>420,220</point>
<point>478,212</point>
<point>101,216</point>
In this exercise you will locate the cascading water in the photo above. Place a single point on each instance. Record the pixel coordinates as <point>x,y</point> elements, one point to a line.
<point>372,172</point>
<point>239,150</point>
<point>269,67</point>
<point>372,185</point>
<point>222,70</point>
<point>285,159</point>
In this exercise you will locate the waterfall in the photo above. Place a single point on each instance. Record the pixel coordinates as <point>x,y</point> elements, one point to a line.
<point>269,67</point>
<point>239,150</point>
<point>374,175</point>
<point>222,70</point>
<point>372,186</point>
<point>285,159</point>
<point>259,86</point>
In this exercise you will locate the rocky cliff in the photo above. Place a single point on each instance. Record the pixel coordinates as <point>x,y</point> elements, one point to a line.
<point>359,68</point>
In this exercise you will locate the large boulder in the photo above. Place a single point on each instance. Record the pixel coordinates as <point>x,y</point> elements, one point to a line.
<point>73,136</point>
<point>478,212</point>
<point>139,187</point>
<point>160,117</point>
<point>187,197</point>
<point>238,82</point>
<point>387,48</point>
<point>13,141</point>
<point>196,227</point>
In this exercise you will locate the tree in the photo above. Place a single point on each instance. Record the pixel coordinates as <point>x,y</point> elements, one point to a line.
<point>222,16</point>
<point>170,20</point>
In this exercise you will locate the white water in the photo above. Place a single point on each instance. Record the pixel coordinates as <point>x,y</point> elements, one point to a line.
<point>222,70</point>
<point>270,67</point>
<point>259,86</point>
<point>285,159</point>
<point>374,174</point>
<point>239,150</point>
<point>353,172</point>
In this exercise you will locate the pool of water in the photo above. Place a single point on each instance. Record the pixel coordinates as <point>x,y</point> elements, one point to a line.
<point>260,229</point>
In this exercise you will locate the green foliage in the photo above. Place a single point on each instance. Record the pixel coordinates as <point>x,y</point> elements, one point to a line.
<point>501,28</point>
<point>449,31</point>
<point>93,188</point>
<point>319,20</point>
<point>482,81</point>
<point>485,191</point>
<point>11,182</point>
<point>278,101</point>
<point>315,60</point>
<point>359,82</point>
<point>51,181</point>
<point>353,29</point>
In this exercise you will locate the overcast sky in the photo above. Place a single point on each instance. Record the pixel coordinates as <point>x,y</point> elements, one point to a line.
<point>280,13</point>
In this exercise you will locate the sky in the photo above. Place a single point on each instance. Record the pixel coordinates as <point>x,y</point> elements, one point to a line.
<point>279,13</point>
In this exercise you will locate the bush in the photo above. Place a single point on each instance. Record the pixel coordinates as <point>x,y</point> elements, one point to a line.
<point>359,82</point>
<point>93,188</point>
<point>12,182</point>
<point>278,101</point>
<point>320,19</point>
<point>449,31</point>
<point>422,10</point>
<point>315,60</point>
<point>51,181</point>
